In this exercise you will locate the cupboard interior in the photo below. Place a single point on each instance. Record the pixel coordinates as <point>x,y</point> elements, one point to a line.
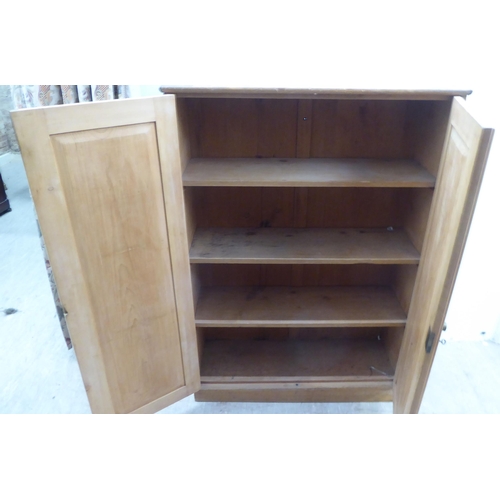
<point>314,128</point>
<point>240,346</point>
<point>345,306</point>
<point>298,354</point>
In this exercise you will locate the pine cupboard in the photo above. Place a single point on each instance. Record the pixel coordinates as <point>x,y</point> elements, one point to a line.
<point>255,244</point>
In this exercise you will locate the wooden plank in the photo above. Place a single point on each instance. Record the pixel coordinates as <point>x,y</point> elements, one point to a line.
<point>298,307</point>
<point>313,93</point>
<point>297,172</point>
<point>459,161</point>
<point>302,246</point>
<point>295,360</point>
<point>327,392</point>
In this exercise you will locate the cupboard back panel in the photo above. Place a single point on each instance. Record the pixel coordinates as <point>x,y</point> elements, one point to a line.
<point>235,128</point>
<point>292,333</point>
<point>359,129</point>
<point>252,128</point>
<point>294,275</point>
<point>310,207</point>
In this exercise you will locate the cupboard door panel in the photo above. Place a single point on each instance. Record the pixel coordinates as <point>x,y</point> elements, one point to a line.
<point>462,163</point>
<point>103,196</point>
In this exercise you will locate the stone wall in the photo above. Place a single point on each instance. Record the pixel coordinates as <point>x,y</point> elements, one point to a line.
<point>8,140</point>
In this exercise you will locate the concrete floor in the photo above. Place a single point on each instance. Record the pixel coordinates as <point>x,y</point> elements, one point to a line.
<point>38,374</point>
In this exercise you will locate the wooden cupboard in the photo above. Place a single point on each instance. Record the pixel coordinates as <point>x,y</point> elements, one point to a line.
<point>255,244</point>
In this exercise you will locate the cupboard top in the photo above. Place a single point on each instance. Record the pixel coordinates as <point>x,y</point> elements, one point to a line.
<point>313,93</point>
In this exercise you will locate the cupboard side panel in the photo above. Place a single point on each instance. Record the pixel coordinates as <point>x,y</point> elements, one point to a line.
<point>393,337</point>
<point>173,196</point>
<point>427,131</point>
<point>184,133</point>
<point>415,207</point>
<point>403,284</point>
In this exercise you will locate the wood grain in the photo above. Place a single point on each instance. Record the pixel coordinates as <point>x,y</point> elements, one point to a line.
<point>101,114</point>
<point>360,129</point>
<point>249,333</point>
<point>182,125</point>
<point>295,172</point>
<point>294,360</point>
<point>302,246</point>
<point>298,307</point>
<point>132,303</point>
<point>415,208</point>
<point>242,127</point>
<point>466,220</point>
<point>403,284</point>
<point>171,164</point>
<point>392,338</point>
<point>328,392</point>
<point>304,128</point>
<point>62,248</point>
<point>428,122</point>
<point>313,93</point>
<point>108,193</point>
<point>286,275</point>
<point>462,146</point>
<point>300,207</point>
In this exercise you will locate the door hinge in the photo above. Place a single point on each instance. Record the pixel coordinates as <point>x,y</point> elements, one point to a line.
<point>429,342</point>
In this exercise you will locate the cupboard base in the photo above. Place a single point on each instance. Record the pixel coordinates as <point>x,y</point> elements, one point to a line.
<point>334,392</point>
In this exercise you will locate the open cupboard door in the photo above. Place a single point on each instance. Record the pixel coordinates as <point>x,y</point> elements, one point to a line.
<point>106,181</point>
<point>462,165</point>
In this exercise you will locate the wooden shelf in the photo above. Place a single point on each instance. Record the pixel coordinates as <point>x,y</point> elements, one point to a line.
<point>294,360</point>
<point>298,307</point>
<point>290,172</point>
<point>302,246</point>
